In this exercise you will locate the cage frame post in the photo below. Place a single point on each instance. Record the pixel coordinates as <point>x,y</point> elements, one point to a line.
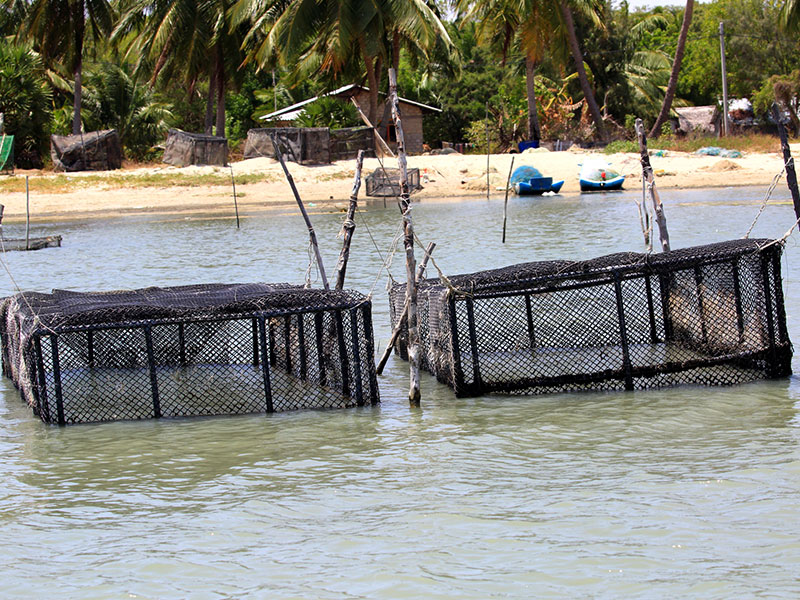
<point>623,333</point>
<point>265,363</point>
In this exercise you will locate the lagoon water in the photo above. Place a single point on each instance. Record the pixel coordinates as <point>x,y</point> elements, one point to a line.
<point>685,492</point>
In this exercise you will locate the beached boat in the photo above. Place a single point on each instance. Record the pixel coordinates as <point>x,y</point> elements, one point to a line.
<point>34,243</point>
<point>599,176</point>
<point>529,181</point>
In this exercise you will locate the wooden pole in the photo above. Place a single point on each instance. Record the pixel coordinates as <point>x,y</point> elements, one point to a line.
<point>724,79</point>
<point>505,202</point>
<point>647,175</point>
<point>403,315</point>
<point>2,209</point>
<point>374,129</point>
<point>408,241</point>
<point>312,236</point>
<point>27,215</point>
<point>791,175</point>
<point>487,151</point>
<point>349,224</point>
<point>235,202</point>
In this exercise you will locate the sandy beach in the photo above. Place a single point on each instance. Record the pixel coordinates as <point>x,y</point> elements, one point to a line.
<point>328,187</point>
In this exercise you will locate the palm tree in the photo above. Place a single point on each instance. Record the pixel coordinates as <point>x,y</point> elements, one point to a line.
<point>676,68</point>
<point>532,26</point>
<point>577,55</point>
<point>184,38</point>
<point>790,15</point>
<point>507,23</point>
<point>58,29</point>
<point>337,39</point>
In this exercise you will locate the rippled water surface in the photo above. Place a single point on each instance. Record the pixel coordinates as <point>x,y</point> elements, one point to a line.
<point>672,493</point>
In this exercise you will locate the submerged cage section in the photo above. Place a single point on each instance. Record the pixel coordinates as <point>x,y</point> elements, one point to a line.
<point>193,350</point>
<point>711,315</point>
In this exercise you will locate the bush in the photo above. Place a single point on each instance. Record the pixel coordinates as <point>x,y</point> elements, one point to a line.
<point>25,100</point>
<point>621,146</point>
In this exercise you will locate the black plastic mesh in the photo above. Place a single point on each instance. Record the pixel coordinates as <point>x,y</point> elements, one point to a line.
<point>192,350</point>
<point>709,315</point>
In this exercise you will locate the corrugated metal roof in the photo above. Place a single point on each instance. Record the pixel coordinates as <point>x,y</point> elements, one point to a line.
<point>290,113</point>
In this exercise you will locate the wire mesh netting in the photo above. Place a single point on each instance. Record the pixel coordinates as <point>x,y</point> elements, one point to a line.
<point>192,350</point>
<point>387,182</point>
<point>711,315</point>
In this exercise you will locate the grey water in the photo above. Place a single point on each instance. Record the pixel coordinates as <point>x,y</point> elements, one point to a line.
<point>684,492</point>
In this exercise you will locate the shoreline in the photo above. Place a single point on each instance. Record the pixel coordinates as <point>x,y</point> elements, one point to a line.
<point>92,196</point>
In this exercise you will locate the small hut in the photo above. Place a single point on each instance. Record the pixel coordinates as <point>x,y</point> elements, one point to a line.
<point>413,113</point>
<point>93,151</point>
<point>183,148</point>
<point>703,119</point>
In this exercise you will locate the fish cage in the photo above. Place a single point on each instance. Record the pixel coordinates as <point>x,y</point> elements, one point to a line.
<point>183,351</point>
<point>92,151</point>
<point>708,315</point>
<point>183,148</point>
<point>386,183</point>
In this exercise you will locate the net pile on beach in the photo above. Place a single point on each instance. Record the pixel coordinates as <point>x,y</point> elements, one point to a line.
<point>192,350</point>
<point>710,315</point>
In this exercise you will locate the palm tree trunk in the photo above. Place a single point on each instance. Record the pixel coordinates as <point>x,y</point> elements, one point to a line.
<point>220,96</point>
<point>373,88</point>
<point>77,98</point>
<point>534,133</point>
<point>577,56</point>
<point>396,51</point>
<point>212,90</point>
<point>669,96</point>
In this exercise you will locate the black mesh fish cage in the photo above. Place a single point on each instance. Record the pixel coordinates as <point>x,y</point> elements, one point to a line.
<point>192,350</point>
<point>386,183</point>
<point>711,315</point>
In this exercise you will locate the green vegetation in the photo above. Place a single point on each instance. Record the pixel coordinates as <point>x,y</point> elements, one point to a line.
<point>578,70</point>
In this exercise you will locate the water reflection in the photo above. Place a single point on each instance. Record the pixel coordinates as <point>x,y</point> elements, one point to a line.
<point>685,491</point>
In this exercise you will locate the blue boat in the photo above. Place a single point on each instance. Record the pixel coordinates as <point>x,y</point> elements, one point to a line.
<point>599,176</point>
<point>529,181</point>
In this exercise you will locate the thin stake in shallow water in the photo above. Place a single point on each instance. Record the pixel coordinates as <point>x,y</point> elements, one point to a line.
<point>505,203</point>
<point>349,224</point>
<point>235,203</point>
<point>27,215</point>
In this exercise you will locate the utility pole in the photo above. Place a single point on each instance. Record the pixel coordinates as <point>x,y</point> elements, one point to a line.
<point>724,79</point>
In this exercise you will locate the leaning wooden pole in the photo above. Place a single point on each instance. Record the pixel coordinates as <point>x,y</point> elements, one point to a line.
<point>505,202</point>
<point>374,129</point>
<point>403,315</point>
<point>788,162</point>
<point>349,224</point>
<point>27,215</point>
<point>647,175</point>
<point>408,241</point>
<point>312,236</point>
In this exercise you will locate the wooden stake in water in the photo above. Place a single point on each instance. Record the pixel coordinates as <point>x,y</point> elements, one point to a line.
<point>349,224</point>
<point>27,215</point>
<point>647,174</point>
<point>505,202</point>
<point>791,175</point>
<point>408,242</point>
<point>312,236</point>
<point>235,203</point>
<point>487,151</point>
<point>403,315</point>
